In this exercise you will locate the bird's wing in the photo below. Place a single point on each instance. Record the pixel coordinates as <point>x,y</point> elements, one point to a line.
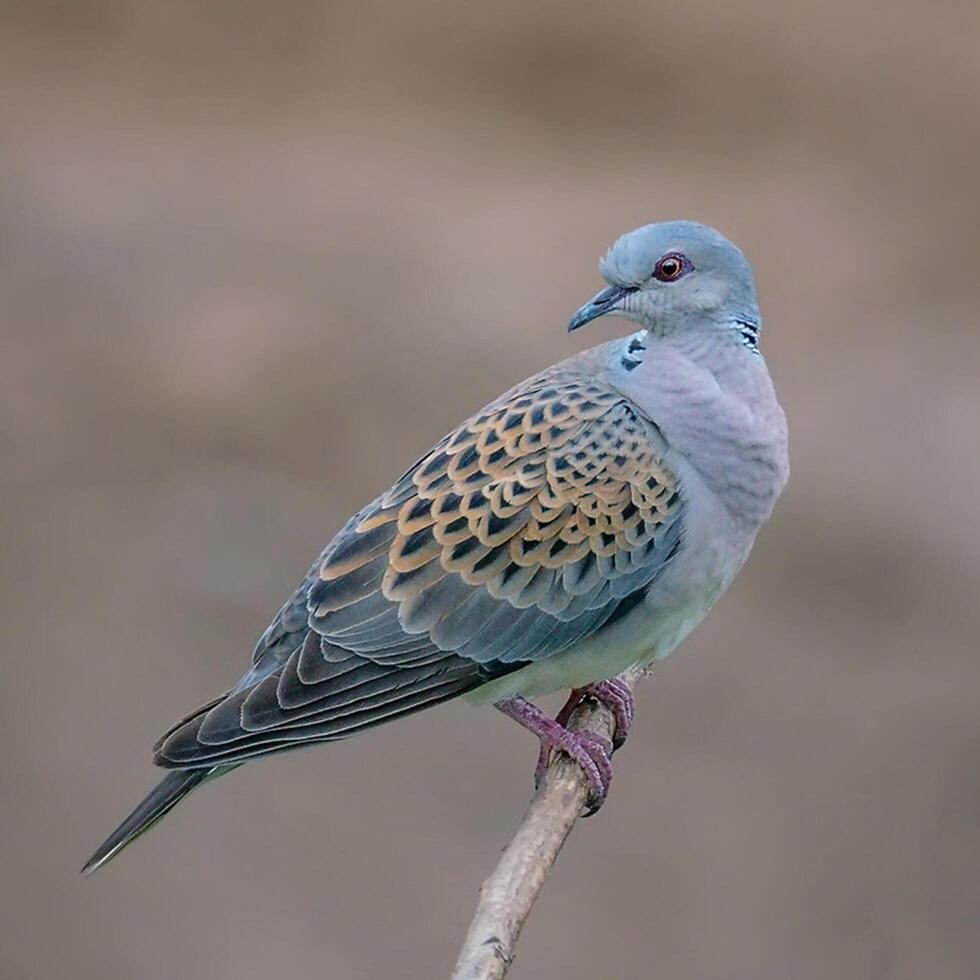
<point>525,530</point>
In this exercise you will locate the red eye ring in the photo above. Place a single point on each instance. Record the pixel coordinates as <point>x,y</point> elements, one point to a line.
<point>671,266</point>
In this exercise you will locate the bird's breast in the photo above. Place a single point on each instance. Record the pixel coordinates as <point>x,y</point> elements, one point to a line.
<point>718,413</point>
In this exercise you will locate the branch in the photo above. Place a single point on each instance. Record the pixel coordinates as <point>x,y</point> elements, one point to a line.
<point>508,894</point>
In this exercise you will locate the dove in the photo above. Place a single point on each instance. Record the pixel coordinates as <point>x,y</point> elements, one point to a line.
<point>583,522</point>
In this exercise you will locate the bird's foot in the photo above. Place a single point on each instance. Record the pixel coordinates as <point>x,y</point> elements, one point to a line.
<point>592,752</point>
<point>618,698</point>
<point>614,694</point>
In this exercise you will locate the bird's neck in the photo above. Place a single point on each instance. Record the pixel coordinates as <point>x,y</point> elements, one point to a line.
<point>714,402</point>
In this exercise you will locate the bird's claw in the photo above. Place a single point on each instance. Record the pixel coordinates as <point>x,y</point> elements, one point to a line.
<point>618,698</point>
<point>614,694</point>
<point>591,752</point>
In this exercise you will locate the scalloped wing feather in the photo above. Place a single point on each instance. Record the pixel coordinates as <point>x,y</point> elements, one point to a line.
<point>525,530</point>
<point>553,501</point>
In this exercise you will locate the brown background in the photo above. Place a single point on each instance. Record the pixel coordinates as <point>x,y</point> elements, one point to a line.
<point>255,257</point>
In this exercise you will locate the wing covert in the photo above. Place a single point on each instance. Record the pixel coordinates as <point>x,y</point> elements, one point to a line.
<point>517,535</point>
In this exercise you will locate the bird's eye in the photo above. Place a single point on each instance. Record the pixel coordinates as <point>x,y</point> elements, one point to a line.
<point>671,266</point>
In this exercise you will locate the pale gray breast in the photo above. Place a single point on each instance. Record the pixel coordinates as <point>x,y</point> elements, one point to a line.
<point>715,404</point>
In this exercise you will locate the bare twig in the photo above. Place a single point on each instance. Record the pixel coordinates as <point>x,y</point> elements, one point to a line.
<point>508,894</point>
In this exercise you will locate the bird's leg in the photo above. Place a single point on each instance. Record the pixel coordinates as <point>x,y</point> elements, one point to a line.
<point>614,694</point>
<point>591,751</point>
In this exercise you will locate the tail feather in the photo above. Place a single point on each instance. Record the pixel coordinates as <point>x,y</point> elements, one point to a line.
<point>157,803</point>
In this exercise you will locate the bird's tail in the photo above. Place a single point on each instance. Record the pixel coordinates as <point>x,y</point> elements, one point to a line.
<point>157,804</point>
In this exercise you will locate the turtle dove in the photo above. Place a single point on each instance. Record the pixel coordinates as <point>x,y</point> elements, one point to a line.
<point>583,522</point>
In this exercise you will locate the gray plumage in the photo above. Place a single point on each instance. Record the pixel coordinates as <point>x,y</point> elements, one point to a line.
<point>584,521</point>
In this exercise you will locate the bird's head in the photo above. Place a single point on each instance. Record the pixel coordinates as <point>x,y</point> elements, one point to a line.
<point>675,275</point>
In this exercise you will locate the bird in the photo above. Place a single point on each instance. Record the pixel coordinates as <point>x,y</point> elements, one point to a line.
<point>581,523</point>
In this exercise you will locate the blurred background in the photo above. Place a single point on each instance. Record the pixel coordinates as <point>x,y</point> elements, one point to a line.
<point>255,258</point>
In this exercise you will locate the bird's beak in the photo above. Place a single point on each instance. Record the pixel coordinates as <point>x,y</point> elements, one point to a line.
<point>602,303</point>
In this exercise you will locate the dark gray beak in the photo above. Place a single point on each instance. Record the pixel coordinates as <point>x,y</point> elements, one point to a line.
<point>600,304</point>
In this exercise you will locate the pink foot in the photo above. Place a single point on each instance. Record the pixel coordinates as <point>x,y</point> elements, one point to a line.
<point>592,752</point>
<point>614,694</point>
<point>618,698</point>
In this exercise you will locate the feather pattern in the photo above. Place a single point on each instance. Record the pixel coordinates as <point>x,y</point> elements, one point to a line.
<point>521,533</point>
